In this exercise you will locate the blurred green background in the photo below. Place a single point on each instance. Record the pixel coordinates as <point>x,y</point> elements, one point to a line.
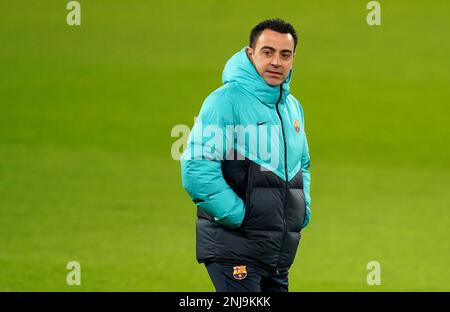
<point>86,114</point>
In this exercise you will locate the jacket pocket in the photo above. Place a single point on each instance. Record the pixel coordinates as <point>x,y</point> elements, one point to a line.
<point>296,209</point>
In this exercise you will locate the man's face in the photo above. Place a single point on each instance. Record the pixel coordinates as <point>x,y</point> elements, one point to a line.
<point>273,56</point>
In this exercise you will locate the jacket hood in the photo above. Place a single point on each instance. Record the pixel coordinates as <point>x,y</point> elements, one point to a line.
<point>240,69</point>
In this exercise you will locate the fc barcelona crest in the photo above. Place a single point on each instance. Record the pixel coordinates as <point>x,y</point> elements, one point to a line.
<point>240,272</point>
<point>297,125</point>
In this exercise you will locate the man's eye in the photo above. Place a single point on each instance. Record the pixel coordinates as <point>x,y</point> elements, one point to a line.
<point>267,52</point>
<point>286,55</point>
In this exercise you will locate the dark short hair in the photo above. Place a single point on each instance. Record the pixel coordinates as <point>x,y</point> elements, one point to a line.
<point>276,24</point>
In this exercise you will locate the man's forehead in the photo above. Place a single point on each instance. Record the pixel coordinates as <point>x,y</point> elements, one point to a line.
<point>276,40</point>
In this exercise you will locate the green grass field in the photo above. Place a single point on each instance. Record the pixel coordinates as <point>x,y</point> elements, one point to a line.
<point>86,114</point>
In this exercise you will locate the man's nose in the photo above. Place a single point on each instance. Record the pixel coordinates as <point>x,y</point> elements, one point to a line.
<point>275,61</point>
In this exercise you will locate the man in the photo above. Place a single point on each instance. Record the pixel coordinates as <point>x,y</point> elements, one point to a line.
<point>251,208</point>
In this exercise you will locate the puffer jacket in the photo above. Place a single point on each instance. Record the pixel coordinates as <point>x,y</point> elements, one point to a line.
<point>252,200</point>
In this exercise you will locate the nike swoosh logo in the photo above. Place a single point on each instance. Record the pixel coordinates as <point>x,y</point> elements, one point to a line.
<point>261,123</point>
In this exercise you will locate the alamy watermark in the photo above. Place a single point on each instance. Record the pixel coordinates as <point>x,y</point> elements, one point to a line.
<point>73,18</point>
<point>374,16</point>
<point>373,278</point>
<point>73,278</point>
<point>228,142</point>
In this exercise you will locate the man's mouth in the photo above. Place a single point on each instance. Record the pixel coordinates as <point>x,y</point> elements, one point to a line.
<point>274,73</point>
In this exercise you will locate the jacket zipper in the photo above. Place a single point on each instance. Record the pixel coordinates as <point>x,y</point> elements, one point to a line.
<point>286,178</point>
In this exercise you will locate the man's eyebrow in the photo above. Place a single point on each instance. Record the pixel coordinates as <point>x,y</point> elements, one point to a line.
<point>270,48</point>
<point>273,49</point>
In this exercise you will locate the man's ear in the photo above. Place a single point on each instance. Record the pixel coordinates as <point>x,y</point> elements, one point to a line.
<point>249,51</point>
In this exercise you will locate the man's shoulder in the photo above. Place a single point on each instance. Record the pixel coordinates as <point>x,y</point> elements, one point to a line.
<point>225,90</point>
<point>224,95</point>
<point>218,103</point>
<point>218,95</point>
<point>296,105</point>
<point>293,99</point>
